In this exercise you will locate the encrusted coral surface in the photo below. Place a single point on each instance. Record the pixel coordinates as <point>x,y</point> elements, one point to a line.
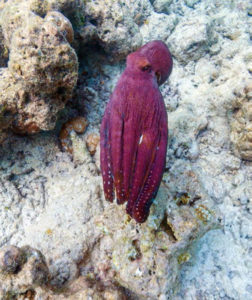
<point>52,200</point>
<point>241,125</point>
<point>115,25</point>
<point>21,270</point>
<point>42,68</point>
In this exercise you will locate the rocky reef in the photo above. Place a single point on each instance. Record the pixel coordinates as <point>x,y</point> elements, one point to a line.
<point>196,241</point>
<point>114,25</point>
<point>241,125</point>
<point>42,68</point>
<point>21,269</point>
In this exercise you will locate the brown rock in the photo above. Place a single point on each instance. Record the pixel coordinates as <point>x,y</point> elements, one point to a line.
<point>92,141</point>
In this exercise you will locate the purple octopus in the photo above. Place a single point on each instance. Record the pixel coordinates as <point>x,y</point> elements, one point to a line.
<point>134,131</point>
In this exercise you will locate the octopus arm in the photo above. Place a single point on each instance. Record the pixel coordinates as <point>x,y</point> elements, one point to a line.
<point>116,139</point>
<point>140,207</point>
<point>145,154</point>
<point>105,155</point>
<point>130,147</point>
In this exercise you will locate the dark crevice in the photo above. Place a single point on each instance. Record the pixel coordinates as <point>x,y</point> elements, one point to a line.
<point>194,200</point>
<point>164,226</point>
<point>93,22</point>
<point>136,245</point>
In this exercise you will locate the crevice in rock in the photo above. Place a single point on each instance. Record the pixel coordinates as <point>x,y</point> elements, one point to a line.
<point>136,245</point>
<point>166,227</point>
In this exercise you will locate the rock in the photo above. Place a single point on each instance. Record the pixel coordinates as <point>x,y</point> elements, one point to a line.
<point>77,124</point>
<point>79,149</point>
<point>241,129</point>
<point>191,39</point>
<point>162,6</point>
<point>54,202</point>
<point>192,3</point>
<point>42,69</point>
<point>92,142</point>
<point>25,268</point>
<point>158,27</point>
<point>101,242</point>
<point>12,17</point>
<point>114,25</point>
<point>185,144</point>
<point>228,25</point>
<point>63,24</point>
<point>3,51</point>
<point>11,259</point>
<point>36,266</point>
<point>83,288</point>
<point>62,272</point>
<point>74,10</point>
<point>150,253</point>
<point>39,7</point>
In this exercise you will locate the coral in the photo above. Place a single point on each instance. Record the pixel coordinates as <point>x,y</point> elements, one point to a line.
<point>11,259</point>
<point>162,6</point>
<point>74,10</point>
<point>39,7</point>
<point>24,273</point>
<point>241,127</point>
<point>165,23</point>
<point>77,124</point>
<point>65,215</point>
<point>170,229</point>
<point>133,138</point>
<point>191,3</point>
<point>114,25</point>
<point>189,42</point>
<point>56,205</point>
<point>63,24</point>
<point>21,270</point>
<point>42,68</point>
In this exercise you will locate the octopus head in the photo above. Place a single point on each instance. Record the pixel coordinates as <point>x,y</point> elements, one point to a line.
<point>139,65</point>
<point>160,59</point>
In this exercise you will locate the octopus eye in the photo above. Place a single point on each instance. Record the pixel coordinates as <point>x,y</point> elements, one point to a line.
<point>146,68</point>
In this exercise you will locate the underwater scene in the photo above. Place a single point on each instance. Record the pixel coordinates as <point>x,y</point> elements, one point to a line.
<point>125,149</point>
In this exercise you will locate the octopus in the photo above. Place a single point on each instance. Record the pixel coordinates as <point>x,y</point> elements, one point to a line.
<point>134,131</point>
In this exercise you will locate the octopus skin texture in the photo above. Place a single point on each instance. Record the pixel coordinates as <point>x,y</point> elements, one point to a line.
<point>160,59</point>
<point>134,131</point>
